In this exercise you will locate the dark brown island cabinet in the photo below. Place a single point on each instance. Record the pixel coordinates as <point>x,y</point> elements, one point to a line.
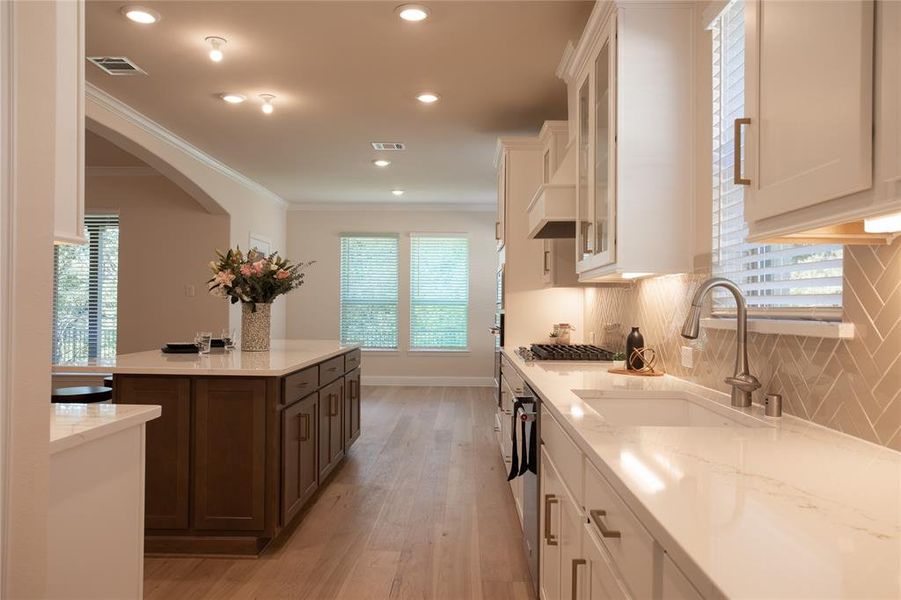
<point>234,459</point>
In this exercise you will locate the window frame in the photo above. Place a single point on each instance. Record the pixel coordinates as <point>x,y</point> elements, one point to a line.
<point>440,349</point>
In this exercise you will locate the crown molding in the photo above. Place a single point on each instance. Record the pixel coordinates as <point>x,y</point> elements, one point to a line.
<point>580,54</point>
<point>389,206</point>
<point>565,62</point>
<point>121,172</point>
<point>95,95</point>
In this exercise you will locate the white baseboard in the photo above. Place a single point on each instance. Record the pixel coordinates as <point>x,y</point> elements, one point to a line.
<point>427,381</point>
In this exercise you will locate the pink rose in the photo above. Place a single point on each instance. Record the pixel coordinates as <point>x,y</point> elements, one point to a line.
<point>246,270</point>
<point>282,274</point>
<point>258,267</point>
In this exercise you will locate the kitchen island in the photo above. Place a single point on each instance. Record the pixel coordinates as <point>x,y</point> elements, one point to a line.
<point>244,441</point>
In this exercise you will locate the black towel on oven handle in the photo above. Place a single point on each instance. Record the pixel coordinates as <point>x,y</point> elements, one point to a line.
<point>514,461</point>
<point>533,444</point>
<point>526,457</point>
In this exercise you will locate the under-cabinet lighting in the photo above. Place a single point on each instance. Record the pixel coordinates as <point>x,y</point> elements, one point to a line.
<point>635,275</point>
<point>883,224</point>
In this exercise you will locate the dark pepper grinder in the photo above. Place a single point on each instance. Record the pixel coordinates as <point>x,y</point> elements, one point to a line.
<point>634,341</point>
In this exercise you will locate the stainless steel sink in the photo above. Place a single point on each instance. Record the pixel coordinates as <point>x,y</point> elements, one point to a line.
<point>661,409</point>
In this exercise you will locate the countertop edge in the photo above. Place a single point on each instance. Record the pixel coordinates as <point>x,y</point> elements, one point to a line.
<point>101,430</point>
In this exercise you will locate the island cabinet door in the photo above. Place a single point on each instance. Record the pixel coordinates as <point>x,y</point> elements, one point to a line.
<point>300,472</point>
<point>351,407</point>
<point>229,453</point>
<point>168,462</point>
<point>331,438</point>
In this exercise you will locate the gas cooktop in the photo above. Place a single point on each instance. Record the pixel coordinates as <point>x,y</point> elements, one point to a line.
<point>565,352</point>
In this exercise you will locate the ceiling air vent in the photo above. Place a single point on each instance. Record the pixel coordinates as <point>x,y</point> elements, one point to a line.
<point>388,146</point>
<point>117,65</point>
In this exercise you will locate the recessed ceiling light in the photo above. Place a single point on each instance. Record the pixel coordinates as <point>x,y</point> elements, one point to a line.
<point>267,103</point>
<point>412,12</point>
<point>233,98</point>
<point>397,192</point>
<point>381,162</point>
<point>428,97</point>
<point>216,43</point>
<point>140,14</point>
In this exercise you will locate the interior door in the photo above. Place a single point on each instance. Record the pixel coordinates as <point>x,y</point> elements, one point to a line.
<point>809,95</point>
<point>549,557</point>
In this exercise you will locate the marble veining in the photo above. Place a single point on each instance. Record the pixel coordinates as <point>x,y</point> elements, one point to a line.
<point>789,510</point>
<point>284,356</point>
<point>74,424</point>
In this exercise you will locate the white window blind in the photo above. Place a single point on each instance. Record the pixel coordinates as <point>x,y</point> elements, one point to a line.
<point>439,292</point>
<point>85,293</point>
<point>369,290</point>
<point>777,279</point>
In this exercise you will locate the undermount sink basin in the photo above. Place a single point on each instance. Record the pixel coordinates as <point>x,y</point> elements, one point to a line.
<point>664,410</point>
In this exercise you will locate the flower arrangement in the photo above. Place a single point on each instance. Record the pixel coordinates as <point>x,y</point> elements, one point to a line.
<point>253,278</point>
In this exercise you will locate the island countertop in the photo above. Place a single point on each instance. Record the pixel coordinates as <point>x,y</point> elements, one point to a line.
<point>74,424</point>
<point>285,356</point>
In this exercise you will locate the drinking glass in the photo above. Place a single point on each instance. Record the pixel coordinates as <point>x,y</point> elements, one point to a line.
<point>203,340</point>
<point>228,336</point>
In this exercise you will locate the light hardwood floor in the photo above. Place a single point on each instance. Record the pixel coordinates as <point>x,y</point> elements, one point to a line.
<point>420,508</point>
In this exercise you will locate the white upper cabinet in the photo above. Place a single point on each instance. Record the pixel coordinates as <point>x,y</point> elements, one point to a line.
<point>632,120</point>
<point>822,127</point>
<point>68,224</point>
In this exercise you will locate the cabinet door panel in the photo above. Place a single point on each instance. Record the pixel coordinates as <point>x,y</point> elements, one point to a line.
<point>331,436</point>
<point>549,557</point>
<point>299,447</point>
<point>352,408</point>
<point>809,94</point>
<point>168,461</point>
<point>602,581</point>
<point>572,565</point>
<point>230,451</point>
<point>336,423</point>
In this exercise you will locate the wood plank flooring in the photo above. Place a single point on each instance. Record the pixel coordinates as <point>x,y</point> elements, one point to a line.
<point>419,509</point>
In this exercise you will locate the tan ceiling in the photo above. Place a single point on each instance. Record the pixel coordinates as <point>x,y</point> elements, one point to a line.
<point>345,74</point>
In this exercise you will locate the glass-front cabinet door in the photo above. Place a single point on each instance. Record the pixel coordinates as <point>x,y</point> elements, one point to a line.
<point>584,233</point>
<point>604,156</point>
<point>596,168</point>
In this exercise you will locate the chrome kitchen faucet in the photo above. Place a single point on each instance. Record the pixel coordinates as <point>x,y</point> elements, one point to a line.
<point>742,382</point>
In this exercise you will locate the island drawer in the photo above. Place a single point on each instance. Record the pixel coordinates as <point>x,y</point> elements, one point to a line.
<point>300,384</point>
<point>352,360</point>
<point>331,370</point>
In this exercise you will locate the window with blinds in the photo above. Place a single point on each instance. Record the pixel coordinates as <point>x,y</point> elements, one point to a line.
<point>439,292</point>
<point>369,290</point>
<point>779,280</point>
<point>85,293</point>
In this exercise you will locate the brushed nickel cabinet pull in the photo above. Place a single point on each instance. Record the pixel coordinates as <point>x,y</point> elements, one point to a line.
<point>736,156</point>
<point>576,563</point>
<point>547,254</point>
<point>497,230</point>
<point>549,538</point>
<point>596,519</point>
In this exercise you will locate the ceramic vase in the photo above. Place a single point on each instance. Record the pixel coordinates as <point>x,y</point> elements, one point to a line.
<point>255,331</point>
<point>634,340</point>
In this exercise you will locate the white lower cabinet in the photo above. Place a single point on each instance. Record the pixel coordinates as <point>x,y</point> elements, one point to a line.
<point>593,546</point>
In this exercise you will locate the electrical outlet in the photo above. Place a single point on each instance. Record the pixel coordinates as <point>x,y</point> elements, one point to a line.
<point>189,291</point>
<point>688,357</point>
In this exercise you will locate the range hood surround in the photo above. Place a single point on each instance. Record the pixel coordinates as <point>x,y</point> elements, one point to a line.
<point>552,211</point>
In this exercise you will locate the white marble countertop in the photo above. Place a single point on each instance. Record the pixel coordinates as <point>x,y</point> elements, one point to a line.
<point>792,510</point>
<point>284,357</point>
<point>74,424</point>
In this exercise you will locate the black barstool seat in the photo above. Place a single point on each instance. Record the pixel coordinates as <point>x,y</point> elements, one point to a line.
<point>108,381</point>
<point>83,394</point>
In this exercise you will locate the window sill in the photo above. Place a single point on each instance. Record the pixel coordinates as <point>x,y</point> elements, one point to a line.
<point>380,350</point>
<point>836,330</point>
<point>439,351</point>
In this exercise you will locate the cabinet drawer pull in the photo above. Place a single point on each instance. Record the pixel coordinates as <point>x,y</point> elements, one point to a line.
<point>577,562</point>
<point>739,180</point>
<point>332,406</point>
<point>332,369</point>
<point>596,519</point>
<point>547,254</point>
<point>304,427</point>
<point>549,538</point>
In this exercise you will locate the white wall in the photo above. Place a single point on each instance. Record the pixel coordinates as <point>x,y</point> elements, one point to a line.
<point>314,312</point>
<point>252,208</point>
<point>166,240</point>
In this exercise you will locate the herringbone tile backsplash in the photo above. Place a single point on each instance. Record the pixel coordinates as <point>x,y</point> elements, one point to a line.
<point>852,385</point>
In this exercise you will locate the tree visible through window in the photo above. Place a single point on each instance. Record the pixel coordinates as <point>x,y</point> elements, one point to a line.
<point>777,279</point>
<point>369,290</point>
<point>439,292</point>
<point>85,293</point>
